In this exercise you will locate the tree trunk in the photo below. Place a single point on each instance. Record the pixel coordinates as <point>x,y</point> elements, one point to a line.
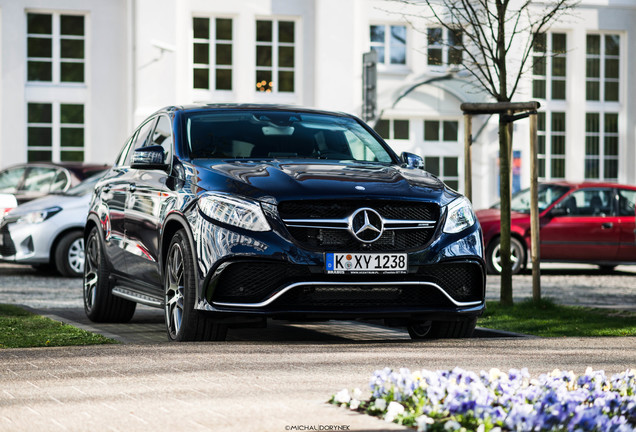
<point>505,155</point>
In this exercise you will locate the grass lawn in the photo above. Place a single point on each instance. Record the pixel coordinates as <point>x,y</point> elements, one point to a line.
<point>22,329</point>
<point>552,320</point>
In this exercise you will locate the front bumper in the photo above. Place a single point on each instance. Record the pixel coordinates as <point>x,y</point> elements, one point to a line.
<point>268,274</point>
<point>24,243</point>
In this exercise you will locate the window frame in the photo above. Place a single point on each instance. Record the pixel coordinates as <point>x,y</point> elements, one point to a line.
<point>443,149</point>
<point>444,46</point>
<point>602,135</point>
<point>603,57</point>
<point>547,57</point>
<point>275,67</point>
<point>546,159</point>
<point>386,45</point>
<point>212,65</point>
<point>57,148</point>
<point>56,58</point>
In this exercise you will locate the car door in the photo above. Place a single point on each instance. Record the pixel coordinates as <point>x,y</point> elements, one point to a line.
<point>626,200</point>
<point>148,194</point>
<point>114,191</point>
<point>583,226</point>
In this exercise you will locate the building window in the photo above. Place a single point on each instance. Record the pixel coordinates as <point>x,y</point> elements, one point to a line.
<point>602,67</point>
<point>55,48</point>
<point>393,129</point>
<point>549,66</point>
<point>551,145</point>
<point>275,56</point>
<point>55,132</point>
<point>601,146</point>
<point>444,167</point>
<point>441,150</point>
<point>212,49</point>
<point>389,41</point>
<point>444,46</point>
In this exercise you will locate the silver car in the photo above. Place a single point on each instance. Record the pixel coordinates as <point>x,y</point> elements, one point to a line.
<point>47,232</point>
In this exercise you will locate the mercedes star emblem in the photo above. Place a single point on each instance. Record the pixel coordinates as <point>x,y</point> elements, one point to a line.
<point>366,225</point>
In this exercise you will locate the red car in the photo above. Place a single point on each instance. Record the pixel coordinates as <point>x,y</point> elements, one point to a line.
<point>589,223</point>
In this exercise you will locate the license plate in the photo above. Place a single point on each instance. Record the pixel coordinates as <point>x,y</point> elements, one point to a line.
<point>340,263</point>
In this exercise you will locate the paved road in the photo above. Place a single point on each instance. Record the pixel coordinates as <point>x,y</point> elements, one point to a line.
<point>261,380</point>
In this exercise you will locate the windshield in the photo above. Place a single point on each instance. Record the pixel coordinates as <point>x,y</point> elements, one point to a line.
<point>280,135</point>
<point>548,194</point>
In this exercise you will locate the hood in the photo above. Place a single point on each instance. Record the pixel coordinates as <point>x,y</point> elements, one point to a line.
<point>48,201</point>
<point>290,180</point>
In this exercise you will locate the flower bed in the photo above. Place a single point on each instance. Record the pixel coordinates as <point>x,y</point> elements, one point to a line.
<point>460,400</point>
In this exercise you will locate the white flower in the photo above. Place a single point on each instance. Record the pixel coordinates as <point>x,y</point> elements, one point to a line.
<point>452,425</point>
<point>354,404</point>
<point>357,393</point>
<point>422,422</point>
<point>393,410</point>
<point>342,396</point>
<point>380,404</point>
<point>494,374</point>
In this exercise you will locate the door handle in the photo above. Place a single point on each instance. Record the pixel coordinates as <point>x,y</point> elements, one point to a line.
<point>607,225</point>
<point>132,187</point>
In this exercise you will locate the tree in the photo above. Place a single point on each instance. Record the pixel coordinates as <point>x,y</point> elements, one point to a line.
<point>495,39</point>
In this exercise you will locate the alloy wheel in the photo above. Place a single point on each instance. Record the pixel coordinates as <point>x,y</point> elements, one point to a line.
<point>75,256</point>
<point>90,271</point>
<point>175,288</point>
<point>514,257</point>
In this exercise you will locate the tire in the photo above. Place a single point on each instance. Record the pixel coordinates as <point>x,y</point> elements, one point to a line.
<point>462,328</point>
<point>606,269</point>
<point>69,255</point>
<point>99,304</point>
<point>517,255</point>
<point>183,321</point>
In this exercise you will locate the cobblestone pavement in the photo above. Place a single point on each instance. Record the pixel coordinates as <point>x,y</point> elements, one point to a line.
<point>61,299</point>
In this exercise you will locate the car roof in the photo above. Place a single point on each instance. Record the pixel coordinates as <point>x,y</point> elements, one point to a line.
<point>250,107</point>
<point>591,184</point>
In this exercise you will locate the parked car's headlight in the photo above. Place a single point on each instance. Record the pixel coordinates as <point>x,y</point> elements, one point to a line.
<point>460,216</point>
<point>230,210</point>
<point>39,216</point>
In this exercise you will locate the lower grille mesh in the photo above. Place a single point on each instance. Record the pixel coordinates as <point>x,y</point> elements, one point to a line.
<point>255,282</point>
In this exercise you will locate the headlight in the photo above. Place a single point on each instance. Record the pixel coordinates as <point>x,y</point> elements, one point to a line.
<point>460,216</point>
<point>39,216</point>
<point>230,210</point>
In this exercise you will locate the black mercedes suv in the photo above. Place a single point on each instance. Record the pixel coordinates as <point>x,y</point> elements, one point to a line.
<point>226,215</point>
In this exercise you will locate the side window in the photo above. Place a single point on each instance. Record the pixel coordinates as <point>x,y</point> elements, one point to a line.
<point>626,202</point>
<point>589,202</point>
<point>39,179</point>
<point>10,179</point>
<point>162,135</point>
<point>140,139</point>
<point>60,182</point>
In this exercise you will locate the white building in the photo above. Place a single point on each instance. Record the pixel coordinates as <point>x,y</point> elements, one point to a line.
<point>78,75</point>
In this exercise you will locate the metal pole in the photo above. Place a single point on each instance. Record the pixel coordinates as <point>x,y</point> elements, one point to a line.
<point>468,175</point>
<point>534,211</point>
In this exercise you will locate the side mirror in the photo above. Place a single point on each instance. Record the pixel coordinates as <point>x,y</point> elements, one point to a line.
<point>150,157</point>
<point>412,160</point>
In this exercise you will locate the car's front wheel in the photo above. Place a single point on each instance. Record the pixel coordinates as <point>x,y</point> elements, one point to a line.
<point>183,321</point>
<point>100,304</point>
<point>493,256</point>
<point>69,255</point>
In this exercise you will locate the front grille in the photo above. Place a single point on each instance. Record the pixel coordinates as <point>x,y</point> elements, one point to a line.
<point>7,248</point>
<point>255,282</point>
<point>334,240</point>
